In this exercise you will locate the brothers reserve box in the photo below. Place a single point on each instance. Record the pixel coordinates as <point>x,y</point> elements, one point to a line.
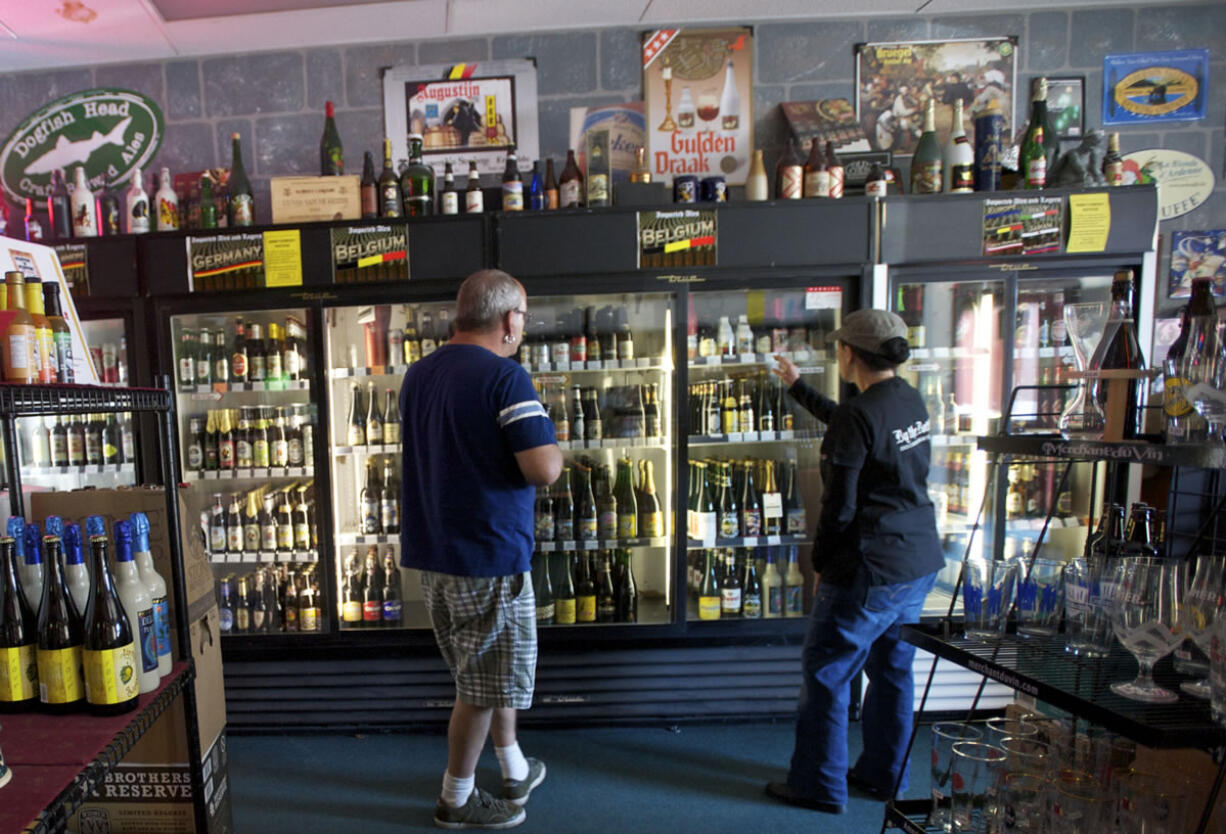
<point>149,791</point>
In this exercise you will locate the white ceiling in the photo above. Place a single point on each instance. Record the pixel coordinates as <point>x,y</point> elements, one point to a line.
<point>36,34</point>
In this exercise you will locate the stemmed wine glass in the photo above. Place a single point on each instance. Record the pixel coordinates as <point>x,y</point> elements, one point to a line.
<point>1204,371</point>
<point>1145,617</point>
<point>1203,604</point>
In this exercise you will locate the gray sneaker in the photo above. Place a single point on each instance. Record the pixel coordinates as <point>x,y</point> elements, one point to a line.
<point>480,811</point>
<point>518,790</point>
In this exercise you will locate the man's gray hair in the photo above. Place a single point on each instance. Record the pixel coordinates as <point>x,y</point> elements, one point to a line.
<point>484,298</point>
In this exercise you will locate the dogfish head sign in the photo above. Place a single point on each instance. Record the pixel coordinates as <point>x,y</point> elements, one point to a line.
<point>108,131</point>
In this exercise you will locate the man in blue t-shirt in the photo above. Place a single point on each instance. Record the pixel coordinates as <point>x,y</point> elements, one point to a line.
<point>477,441</point>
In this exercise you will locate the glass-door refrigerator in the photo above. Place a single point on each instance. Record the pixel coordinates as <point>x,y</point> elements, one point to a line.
<point>993,355</point>
<point>754,454</point>
<point>602,364</point>
<point>245,402</point>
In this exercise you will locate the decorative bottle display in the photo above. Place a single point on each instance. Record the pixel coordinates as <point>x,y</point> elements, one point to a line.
<point>1033,155</point>
<point>331,153</point>
<point>389,185</point>
<point>1119,386</point>
<point>369,187</point>
<point>817,173</point>
<point>136,216</point>
<point>512,185</point>
<point>757,186</point>
<point>730,101</point>
<point>241,199</point>
<point>167,203</point>
<point>1113,163</point>
<point>926,162</point>
<point>837,173</point>
<point>83,207</point>
<point>789,174</point>
<point>417,182</point>
<point>570,184</point>
<point>959,157</point>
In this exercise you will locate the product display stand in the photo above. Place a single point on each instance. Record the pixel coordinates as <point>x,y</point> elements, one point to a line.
<point>58,760</point>
<point>1042,669</point>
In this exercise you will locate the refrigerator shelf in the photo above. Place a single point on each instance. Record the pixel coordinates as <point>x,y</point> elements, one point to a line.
<point>377,449</point>
<point>1138,451</point>
<point>375,370</point>
<point>37,400</point>
<point>797,356</point>
<point>1065,352</point>
<point>367,538</point>
<point>261,474</point>
<point>252,557</point>
<point>646,363</point>
<point>750,541</point>
<point>615,443</point>
<point>751,437</point>
<point>601,544</point>
<point>88,469</point>
<point>1041,668</point>
<point>235,387</point>
<point>949,353</point>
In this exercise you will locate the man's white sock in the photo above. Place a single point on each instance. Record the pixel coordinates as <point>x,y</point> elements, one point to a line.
<point>455,790</point>
<point>511,759</point>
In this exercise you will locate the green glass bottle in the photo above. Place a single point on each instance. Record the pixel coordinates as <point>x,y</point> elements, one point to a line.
<point>1032,158</point>
<point>926,163</point>
<point>242,201</point>
<point>208,208</point>
<point>417,182</point>
<point>331,153</point>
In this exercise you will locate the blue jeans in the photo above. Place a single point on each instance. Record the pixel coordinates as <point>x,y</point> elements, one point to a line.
<point>852,628</point>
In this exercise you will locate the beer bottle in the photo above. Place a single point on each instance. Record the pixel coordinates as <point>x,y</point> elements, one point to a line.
<point>606,506</point>
<point>221,358</point>
<point>243,453</point>
<point>331,152</point>
<point>156,586</point>
<point>651,517</point>
<point>552,195</point>
<point>278,442</point>
<point>261,444</point>
<point>372,600</point>
<point>84,208</point>
<point>268,526</point>
<point>564,509</point>
<point>578,428</point>
<point>251,525</point>
<point>772,587</point>
<point>357,427</point>
<point>238,356</point>
<point>512,185</point>
<point>389,504</point>
<point>234,526</point>
<point>593,426</point>
<point>817,172</point>
<point>289,603</point>
<point>564,596</point>
<point>217,525</point>
<point>1122,396</point>
<point>474,198</point>
<point>59,211</point>
<point>710,596</point>
<point>61,336</point>
<point>536,188</point>
<point>789,174</point>
<point>241,199</point>
<point>261,609</point>
<point>60,640</point>
<point>626,592</point>
<point>449,198</point>
<point>751,593</point>
<point>1033,162</point>
<point>225,606</point>
<point>285,524</point>
<point>730,590</point>
<point>280,357</point>
<point>21,340</point>
<point>585,590</point>
<point>138,605</point>
<point>352,603</point>
<point>542,512</point>
<point>627,506</point>
<point>793,504</point>
<point>389,185</point>
<point>225,443</point>
<point>371,498</point>
<point>1113,163</point>
<point>726,508</point>
<point>729,410</point>
<point>208,208</point>
<point>242,608</point>
<point>18,637</point>
<point>606,601</point>
<point>545,609</point>
<point>417,182</point>
<point>370,196</point>
<point>108,655</point>
<point>391,418</point>
<point>793,587</point>
<point>93,440</point>
<point>751,504</point>
<point>110,440</point>
<point>570,184</point>
<point>308,604</point>
<point>374,420</point>
<point>586,517</point>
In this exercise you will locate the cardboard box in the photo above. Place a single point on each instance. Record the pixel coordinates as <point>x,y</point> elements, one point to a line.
<point>304,199</point>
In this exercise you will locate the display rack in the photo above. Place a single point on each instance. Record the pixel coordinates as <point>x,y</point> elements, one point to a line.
<point>1042,669</point>
<point>91,745</point>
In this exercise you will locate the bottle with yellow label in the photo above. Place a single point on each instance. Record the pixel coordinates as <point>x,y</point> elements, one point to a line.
<point>564,595</point>
<point>109,655</point>
<point>709,595</point>
<point>585,591</point>
<point>60,636</point>
<point>20,339</point>
<point>44,342</point>
<point>18,637</point>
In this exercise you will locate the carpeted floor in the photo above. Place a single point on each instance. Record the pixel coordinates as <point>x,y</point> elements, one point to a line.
<point>693,778</point>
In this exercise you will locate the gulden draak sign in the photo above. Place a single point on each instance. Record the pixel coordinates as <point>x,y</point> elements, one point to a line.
<point>107,131</point>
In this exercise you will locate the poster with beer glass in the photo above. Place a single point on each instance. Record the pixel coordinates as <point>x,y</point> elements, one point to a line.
<point>699,90</point>
<point>895,81</point>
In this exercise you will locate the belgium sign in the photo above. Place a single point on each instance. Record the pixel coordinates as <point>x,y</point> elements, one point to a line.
<point>108,131</point>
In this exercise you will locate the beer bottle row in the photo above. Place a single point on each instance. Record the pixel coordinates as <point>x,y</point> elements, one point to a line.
<point>581,506</point>
<point>79,440</point>
<point>74,636</point>
<point>594,414</point>
<point>370,424</point>
<point>579,336</point>
<point>265,520</point>
<point>270,354</point>
<point>1142,534</point>
<point>37,346</point>
<point>746,583</point>
<point>253,436</point>
<point>738,404</point>
<point>379,500</point>
<point>731,499</point>
<point>575,587</point>
<point>272,599</point>
<point>371,596</point>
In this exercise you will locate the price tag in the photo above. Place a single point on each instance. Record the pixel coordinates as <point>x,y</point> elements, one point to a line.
<point>750,436</point>
<point>210,474</point>
<point>772,505</point>
<point>750,541</point>
<point>591,545</point>
<point>774,539</point>
<point>767,435</point>
<point>749,358</point>
<point>611,364</point>
<point>249,556</point>
<point>267,557</point>
<point>734,437</point>
<point>568,544</point>
<point>303,556</point>
<point>242,473</point>
<point>787,434</point>
<point>644,362</point>
<point>823,298</point>
<point>593,364</point>
<point>546,547</point>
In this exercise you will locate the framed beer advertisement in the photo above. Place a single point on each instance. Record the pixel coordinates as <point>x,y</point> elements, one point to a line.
<point>464,112</point>
<point>1066,105</point>
<point>894,82</point>
<point>698,84</point>
<point>1145,87</point>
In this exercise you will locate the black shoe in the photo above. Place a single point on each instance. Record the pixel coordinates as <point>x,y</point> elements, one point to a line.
<point>864,786</point>
<point>783,792</point>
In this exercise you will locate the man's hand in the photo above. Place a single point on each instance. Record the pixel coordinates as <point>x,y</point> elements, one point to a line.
<point>786,370</point>
<point>817,583</point>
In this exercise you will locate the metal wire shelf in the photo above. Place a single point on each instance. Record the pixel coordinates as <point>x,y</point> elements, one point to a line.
<point>42,400</point>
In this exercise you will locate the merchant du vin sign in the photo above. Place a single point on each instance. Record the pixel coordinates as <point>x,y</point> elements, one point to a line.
<point>107,131</point>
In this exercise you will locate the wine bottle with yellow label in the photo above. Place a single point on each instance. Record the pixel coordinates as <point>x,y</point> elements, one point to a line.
<point>112,671</point>
<point>18,638</point>
<point>60,685</point>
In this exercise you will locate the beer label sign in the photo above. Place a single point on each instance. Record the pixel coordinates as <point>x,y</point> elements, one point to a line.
<point>362,254</point>
<point>74,261</point>
<point>1155,86</point>
<point>107,131</point>
<point>225,262</point>
<point>685,237</point>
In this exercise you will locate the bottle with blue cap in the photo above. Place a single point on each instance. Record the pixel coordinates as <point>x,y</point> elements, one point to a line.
<point>138,605</point>
<point>157,590</point>
<point>109,653</point>
<point>76,572</point>
<point>32,557</point>
<point>60,641</point>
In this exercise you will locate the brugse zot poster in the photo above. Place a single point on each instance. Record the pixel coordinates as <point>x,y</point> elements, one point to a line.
<point>699,90</point>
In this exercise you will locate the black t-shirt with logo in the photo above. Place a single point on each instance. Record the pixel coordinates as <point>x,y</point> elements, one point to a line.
<point>875,506</point>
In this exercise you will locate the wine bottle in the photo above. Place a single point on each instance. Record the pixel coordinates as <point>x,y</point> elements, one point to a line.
<point>138,606</point>
<point>926,162</point>
<point>1120,387</point>
<point>369,187</point>
<point>18,637</point>
<point>389,504</point>
<point>587,518</point>
<point>959,157</point>
<point>627,504</point>
<point>564,509</point>
<point>651,517</point>
<point>357,427</point>
<point>60,637</point>
<point>564,593</point>
<point>727,513</point>
<point>606,602</point>
<point>331,153</point>
<point>627,592</point>
<point>751,591</point>
<point>710,596</point>
<point>391,418</point>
